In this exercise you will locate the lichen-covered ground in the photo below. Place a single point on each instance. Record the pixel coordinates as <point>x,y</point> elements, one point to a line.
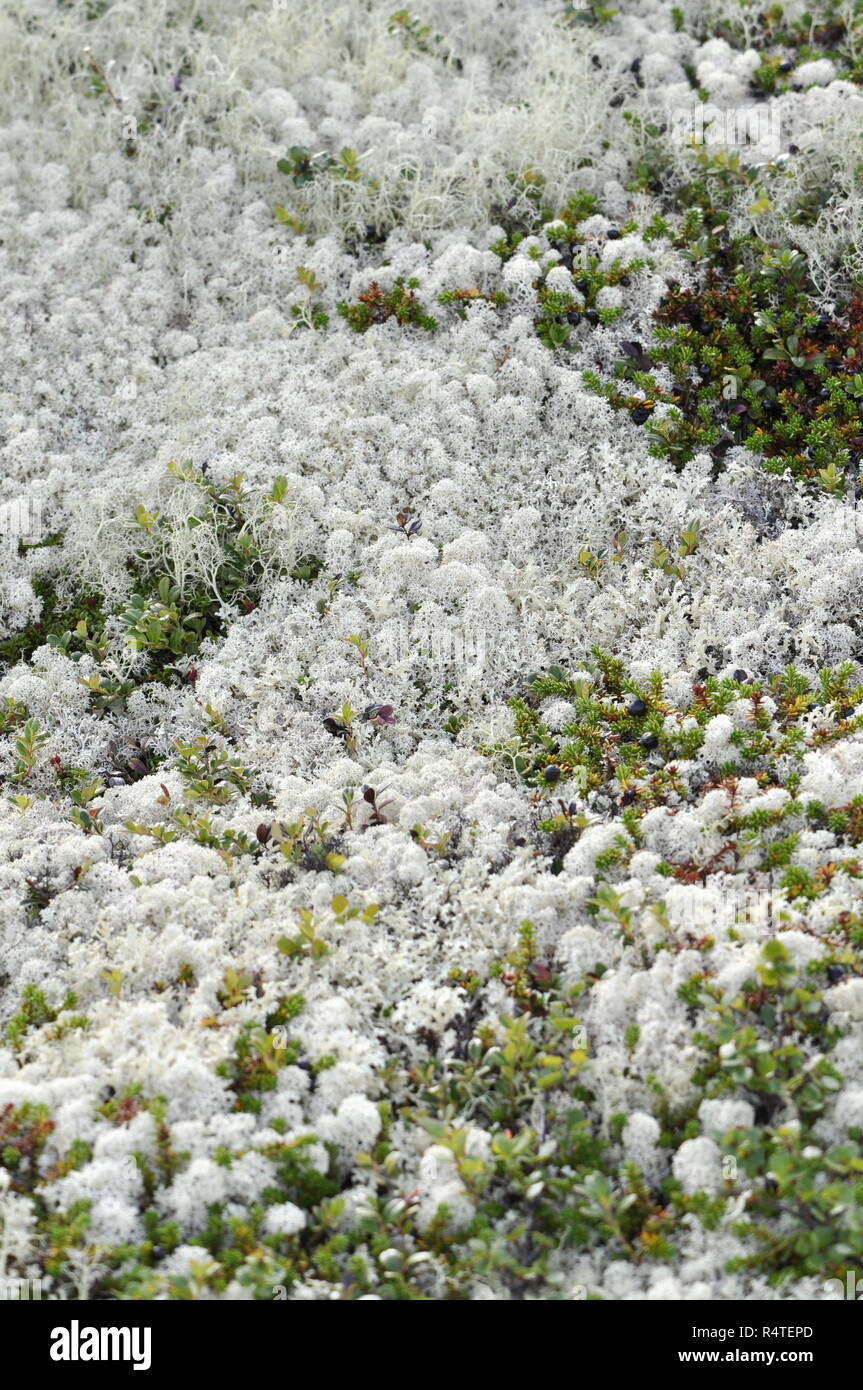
<point>431,744</point>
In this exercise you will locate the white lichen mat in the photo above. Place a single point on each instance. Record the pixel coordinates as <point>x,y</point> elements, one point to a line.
<point>326,972</point>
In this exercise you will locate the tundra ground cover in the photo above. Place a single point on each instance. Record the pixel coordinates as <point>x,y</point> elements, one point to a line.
<point>431,720</point>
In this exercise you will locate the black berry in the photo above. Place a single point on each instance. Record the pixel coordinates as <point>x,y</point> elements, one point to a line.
<point>613,234</point>
<point>637,708</point>
<point>741,677</point>
<point>573,317</point>
<point>639,415</point>
<point>552,773</point>
<point>592,317</point>
<point>835,973</point>
<point>649,740</point>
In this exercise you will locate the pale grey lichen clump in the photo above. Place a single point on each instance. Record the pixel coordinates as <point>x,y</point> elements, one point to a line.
<point>203,1019</point>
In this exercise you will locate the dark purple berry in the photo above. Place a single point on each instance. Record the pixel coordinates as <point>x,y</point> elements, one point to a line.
<point>552,774</point>
<point>649,740</point>
<point>637,709</point>
<point>592,317</point>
